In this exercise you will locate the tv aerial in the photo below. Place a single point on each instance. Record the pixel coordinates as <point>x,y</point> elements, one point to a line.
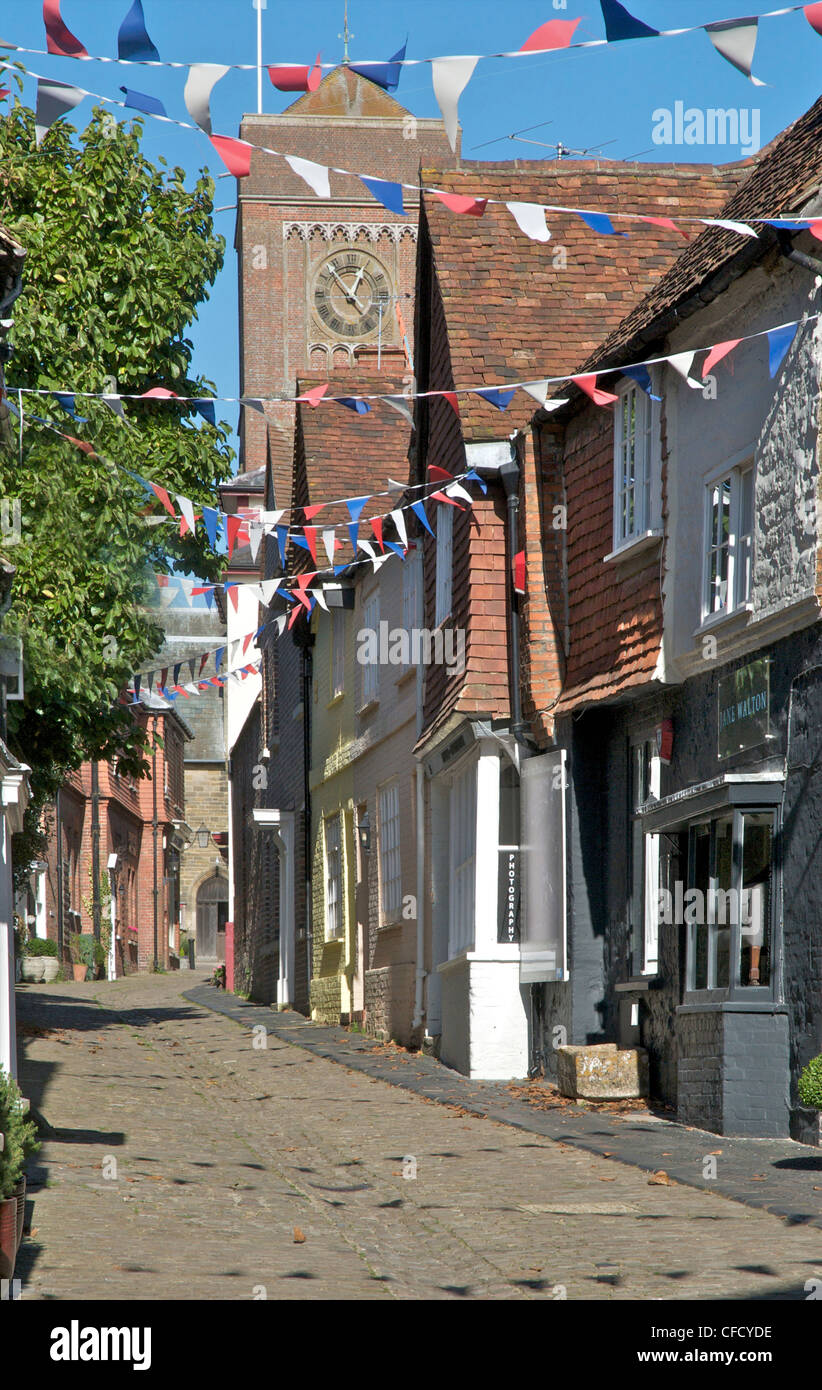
<point>562,150</point>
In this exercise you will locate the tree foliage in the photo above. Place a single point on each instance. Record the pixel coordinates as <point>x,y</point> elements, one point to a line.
<point>119,253</point>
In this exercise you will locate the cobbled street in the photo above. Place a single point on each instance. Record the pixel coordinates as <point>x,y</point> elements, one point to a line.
<point>182,1161</point>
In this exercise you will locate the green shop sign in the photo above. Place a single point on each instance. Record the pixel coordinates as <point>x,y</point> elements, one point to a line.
<point>744,708</point>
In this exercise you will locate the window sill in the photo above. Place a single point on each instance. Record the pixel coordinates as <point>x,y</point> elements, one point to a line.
<point>406,675</point>
<point>369,706</point>
<point>389,926</point>
<point>336,699</point>
<point>638,984</point>
<point>733,617</point>
<point>635,546</point>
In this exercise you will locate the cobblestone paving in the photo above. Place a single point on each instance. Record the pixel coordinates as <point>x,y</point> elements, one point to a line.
<point>228,1153</point>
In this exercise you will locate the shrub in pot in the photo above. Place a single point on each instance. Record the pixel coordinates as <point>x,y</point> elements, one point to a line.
<point>79,963</point>
<point>810,1084</point>
<point>19,1141</point>
<point>40,959</point>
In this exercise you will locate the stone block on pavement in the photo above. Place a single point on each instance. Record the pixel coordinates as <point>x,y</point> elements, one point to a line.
<point>602,1071</point>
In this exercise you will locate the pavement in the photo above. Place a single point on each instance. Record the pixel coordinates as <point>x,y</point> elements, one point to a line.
<point>196,1146</point>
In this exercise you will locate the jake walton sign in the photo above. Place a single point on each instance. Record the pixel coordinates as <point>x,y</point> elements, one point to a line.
<point>744,708</point>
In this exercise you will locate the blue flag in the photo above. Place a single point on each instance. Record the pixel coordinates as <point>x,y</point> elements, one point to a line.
<point>419,509</point>
<point>386,75</point>
<point>211,519</point>
<point>619,24</point>
<point>141,102</point>
<point>779,340</point>
<point>389,194</point>
<point>642,377</point>
<point>133,40</point>
<point>501,399</point>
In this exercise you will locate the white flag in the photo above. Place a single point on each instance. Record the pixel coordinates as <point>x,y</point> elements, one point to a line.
<point>315,175</point>
<point>735,39</point>
<point>530,218</point>
<point>399,521</point>
<point>329,542</point>
<point>450,77</point>
<point>197,92</point>
<point>682,363</point>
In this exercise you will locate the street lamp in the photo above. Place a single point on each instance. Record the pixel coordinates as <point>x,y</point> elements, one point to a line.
<point>202,836</point>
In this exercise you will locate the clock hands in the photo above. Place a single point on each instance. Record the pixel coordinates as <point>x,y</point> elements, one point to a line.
<point>350,292</point>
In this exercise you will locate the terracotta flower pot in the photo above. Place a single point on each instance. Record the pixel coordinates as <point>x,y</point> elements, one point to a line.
<point>79,971</point>
<point>8,1237</point>
<point>20,1198</point>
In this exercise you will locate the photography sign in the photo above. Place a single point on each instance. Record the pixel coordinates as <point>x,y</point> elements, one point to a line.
<point>744,708</point>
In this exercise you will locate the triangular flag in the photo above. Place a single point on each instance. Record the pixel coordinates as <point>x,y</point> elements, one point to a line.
<point>176,674</point>
<point>255,535</point>
<point>682,363</point>
<point>419,510</point>
<point>474,477</point>
<point>457,490</point>
<point>271,520</point>
<point>187,513</point>
<point>735,39</point>
<point>385,75</point>
<point>133,41</point>
<point>376,527</point>
<point>232,526</point>
<point>329,543</point>
<point>451,398</point>
<point>319,597</point>
<point>368,548</point>
<point>600,222</point>
<point>555,33</point>
<point>642,377</point>
<point>268,589</point>
<point>218,658</point>
<point>402,407</point>
<point>211,518</point>
<point>235,154</point>
<point>619,24</point>
<point>312,510</point>
<point>310,533</point>
<point>315,175</point>
<point>54,99</point>
<point>443,497</point>
<point>313,396</point>
<point>67,401</point>
<point>355,506</point>
<point>137,682</point>
<point>666,222</point>
<point>295,78</point>
<point>397,549</point>
<point>162,496</point>
<point>59,39</point>
<point>282,537</point>
<point>141,101</point>
<point>231,590</point>
<point>203,660</point>
<point>741,227</point>
<point>389,194</point>
<point>163,677</point>
<point>530,217</point>
<point>462,202</point>
<point>450,77</point>
<point>399,521</point>
<point>501,399</point>
<point>779,341</point>
<point>588,384</point>
<point>437,474</point>
<point>353,403</point>
<point>201,80</point>
<point>717,353</point>
<point>813,14</point>
<point>160,393</point>
<point>280,622</point>
<point>396,489</point>
<point>191,668</point>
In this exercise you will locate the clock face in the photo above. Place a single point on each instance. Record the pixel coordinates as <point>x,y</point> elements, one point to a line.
<point>350,289</point>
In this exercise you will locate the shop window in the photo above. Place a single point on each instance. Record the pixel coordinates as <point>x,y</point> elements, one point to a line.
<point>728,910</point>
<point>644,860</point>
<point>728,542</point>
<point>463,842</point>
<point>635,454</point>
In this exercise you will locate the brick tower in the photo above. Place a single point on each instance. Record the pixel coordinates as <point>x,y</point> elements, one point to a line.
<point>320,277</point>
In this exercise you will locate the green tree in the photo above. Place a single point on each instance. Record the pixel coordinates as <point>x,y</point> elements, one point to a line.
<point>119,253</point>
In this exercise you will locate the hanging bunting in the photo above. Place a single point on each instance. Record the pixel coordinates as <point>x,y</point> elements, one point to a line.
<point>313,396</point>
<point>813,14</point>
<point>419,510</point>
<point>315,175</point>
<point>187,513</point>
<point>282,537</point>
<point>233,526</point>
<point>201,80</point>
<point>735,39</point>
<point>399,521</point>
<point>205,407</point>
<point>385,75</point>
<point>140,101</point>
<point>402,407</point>
<point>555,33</point>
<point>530,218</point>
<point>682,363</point>
<point>235,154</point>
<point>666,222</point>
<point>54,99</point>
<point>443,497</point>
<point>474,477</point>
<point>741,228</point>
<point>451,398</point>
<point>376,527</point>
<point>355,506</point>
<point>67,402</point>
<point>600,222</point>
<point>211,519</point>
<point>330,543</point>
<point>310,533</point>
<point>779,341</point>
<point>59,39</point>
<point>292,78</point>
<point>389,194</point>
<point>133,41</point>
<point>717,353</point>
<point>588,384</point>
<point>462,203</point>
<point>501,399</point>
<point>642,377</point>
<point>619,24</point>
<point>450,77</point>
<point>457,490</point>
<point>162,496</point>
<point>354,403</point>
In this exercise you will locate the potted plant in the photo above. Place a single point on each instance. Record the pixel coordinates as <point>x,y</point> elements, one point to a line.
<point>810,1090</point>
<point>79,963</point>
<point>19,1141</point>
<point>40,959</point>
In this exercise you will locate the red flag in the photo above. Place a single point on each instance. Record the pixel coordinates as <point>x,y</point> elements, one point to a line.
<point>235,154</point>
<point>310,512</point>
<point>376,527</point>
<point>247,640</point>
<point>462,202</point>
<point>451,398</point>
<point>441,475</point>
<point>717,353</point>
<point>231,590</point>
<point>588,384</point>
<point>310,533</point>
<point>441,497</point>
<point>160,393</point>
<point>555,33</point>
<point>232,526</point>
<point>815,228</point>
<point>297,79</point>
<point>59,39</point>
<point>162,496</point>
<point>313,396</point>
<point>666,222</point>
<point>813,14</point>
<point>203,661</point>
<point>82,444</point>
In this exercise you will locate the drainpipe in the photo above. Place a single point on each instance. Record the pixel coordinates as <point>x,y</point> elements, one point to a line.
<point>419,988</point>
<point>154,829</point>
<point>60,903</point>
<point>509,475</point>
<point>96,905</point>
<point>786,246</point>
<point>307,679</point>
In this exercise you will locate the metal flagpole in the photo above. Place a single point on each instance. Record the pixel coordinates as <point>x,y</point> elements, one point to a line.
<point>259,6</point>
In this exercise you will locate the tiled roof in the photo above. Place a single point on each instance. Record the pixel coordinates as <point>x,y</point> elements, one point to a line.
<point>786,177</point>
<point>517,308</point>
<point>346,454</point>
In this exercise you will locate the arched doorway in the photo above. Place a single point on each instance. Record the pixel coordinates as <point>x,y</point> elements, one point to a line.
<point>212,915</point>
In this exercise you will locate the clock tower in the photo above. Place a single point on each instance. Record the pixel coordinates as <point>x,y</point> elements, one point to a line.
<point>320,277</point>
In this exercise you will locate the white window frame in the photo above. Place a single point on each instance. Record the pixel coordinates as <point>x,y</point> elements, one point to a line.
<point>645,932</point>
<point>371,669</point>
<point>390,852</point>
<point>645,515</point>
<point>740,475</point>
<point>334,879</point>
<point>411,596</point>
<point>445,562</point>
<point>337,663</point>
<point>462,820</point>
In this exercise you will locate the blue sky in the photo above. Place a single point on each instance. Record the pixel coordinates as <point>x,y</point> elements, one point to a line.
<point>600,97</point>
